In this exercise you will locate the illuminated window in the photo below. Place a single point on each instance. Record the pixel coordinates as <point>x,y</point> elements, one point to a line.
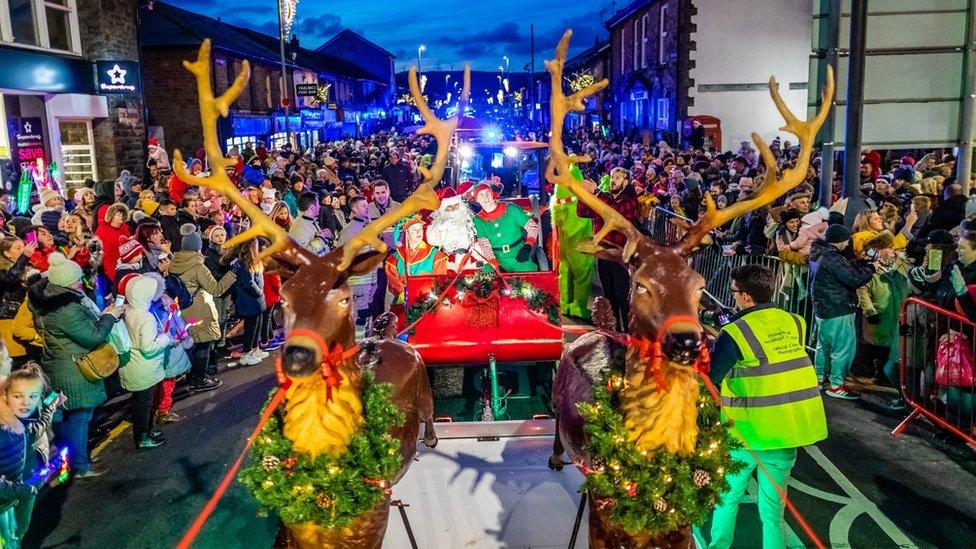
<point>77,152</point>
<point>643,42</point>
<point>636,52</point>
<point>662,35</point>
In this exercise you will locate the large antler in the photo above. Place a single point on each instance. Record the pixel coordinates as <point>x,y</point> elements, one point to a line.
<point>210,109</point>
<point>424,198</point>
<point>558,172</point>
<point>776,184</point>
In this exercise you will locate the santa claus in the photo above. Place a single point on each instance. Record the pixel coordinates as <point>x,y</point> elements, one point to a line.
<point>452,230</point>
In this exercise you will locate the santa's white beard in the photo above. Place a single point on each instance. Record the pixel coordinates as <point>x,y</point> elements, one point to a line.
<point>452,231</point>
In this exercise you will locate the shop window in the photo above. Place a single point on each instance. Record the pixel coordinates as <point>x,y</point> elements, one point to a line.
<point>49,24</point>
<point>77,152</point>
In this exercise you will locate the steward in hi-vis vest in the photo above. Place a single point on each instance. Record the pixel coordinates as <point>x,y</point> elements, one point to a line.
<point>770,393</point>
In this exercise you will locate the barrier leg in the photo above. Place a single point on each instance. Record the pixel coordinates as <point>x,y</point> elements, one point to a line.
<point>579,520</point>
<point>901,426</point>
<point>497,406</point>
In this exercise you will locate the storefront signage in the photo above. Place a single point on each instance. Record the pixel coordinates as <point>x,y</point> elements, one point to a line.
<point>313,119</point>
<point>34,71</point>
<point>26,139</point>
<point>117,77</point>
<point>306,90</point>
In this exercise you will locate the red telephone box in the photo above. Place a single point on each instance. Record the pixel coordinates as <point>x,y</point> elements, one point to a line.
<point>712,127</point>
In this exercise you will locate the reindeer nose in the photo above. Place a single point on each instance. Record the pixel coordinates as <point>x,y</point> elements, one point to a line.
<point>299,360</point>
<point>682,347</point>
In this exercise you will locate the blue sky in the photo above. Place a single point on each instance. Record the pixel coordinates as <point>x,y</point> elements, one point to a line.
<point>453,31</point>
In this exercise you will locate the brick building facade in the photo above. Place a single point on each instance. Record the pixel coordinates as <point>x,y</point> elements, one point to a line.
<point>108,32</point>
<point>649,66</point>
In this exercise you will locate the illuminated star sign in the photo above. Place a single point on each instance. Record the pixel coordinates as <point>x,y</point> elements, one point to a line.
<point>27,127</point>
<point>117,74</point>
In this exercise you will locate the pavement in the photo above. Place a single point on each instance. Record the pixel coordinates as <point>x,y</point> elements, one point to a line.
<point>861,487</point>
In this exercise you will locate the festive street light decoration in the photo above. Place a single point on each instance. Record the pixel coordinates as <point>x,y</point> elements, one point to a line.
<point>580,81</point>
<point>289,8</point>
<point>24,192</point>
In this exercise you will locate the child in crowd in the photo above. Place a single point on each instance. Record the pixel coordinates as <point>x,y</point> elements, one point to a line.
<point>144,371</point>
<point>24,446</point>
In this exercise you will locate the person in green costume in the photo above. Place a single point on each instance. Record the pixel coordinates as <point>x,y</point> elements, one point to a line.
<point>511,232</point>
<point>575,267</point>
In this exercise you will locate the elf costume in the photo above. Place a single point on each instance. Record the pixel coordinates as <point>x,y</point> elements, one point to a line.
<point>511,232</point>
<point>425,259</point>
<point>575,267</point>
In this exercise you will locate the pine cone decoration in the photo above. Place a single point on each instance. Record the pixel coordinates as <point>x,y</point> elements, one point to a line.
<point>323,501</point>
<point>701,478</point>
<point>270,462</point>
<point>660,506</point>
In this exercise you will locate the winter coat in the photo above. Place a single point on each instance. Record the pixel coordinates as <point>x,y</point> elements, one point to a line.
<point>111,238</point>
<point>835,280</point>
<point>40,258</point>
<point>248,292</point>
<point>272,289</point>
<point>171,231</point>
<point>149,344</point>
<point>70,329</point>
<point>104,197</point>
<point>24,338</point>
<point>881,299</point>
<point>176,290</point>
<point>177,362</point>
<point>199,281</point>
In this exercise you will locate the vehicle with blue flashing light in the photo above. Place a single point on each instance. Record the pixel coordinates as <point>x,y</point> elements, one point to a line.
<point>520,165</point>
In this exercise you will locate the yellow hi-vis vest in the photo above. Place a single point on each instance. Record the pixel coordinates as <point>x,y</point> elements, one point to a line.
<point>772,395</point>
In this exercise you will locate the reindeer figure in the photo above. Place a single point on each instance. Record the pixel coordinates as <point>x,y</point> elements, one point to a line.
<point>658,401</point>
<point>323,402</point>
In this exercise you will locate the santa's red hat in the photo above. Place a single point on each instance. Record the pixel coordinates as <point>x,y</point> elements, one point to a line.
<point>446,192</point>
<point>124,282</point>
<point>153,142</point>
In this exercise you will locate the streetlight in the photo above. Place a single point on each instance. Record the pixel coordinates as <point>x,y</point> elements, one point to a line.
<point>420,52</point>
<point>505,57</point>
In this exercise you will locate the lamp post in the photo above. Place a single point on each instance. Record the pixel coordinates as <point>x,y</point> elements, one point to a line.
<point>284,27</point>
<point>420,50</point>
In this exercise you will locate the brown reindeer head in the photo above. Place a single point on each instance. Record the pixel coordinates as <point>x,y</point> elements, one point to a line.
<point>316,299</point>
<point>665,291</point>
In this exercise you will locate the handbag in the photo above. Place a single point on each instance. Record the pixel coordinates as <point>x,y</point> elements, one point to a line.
<point>95,365</point>
<point>954,361</point>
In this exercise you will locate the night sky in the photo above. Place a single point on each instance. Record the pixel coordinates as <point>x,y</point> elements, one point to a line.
<point>454,31</point>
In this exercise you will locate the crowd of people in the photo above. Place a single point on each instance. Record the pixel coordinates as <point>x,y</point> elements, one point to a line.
<point>136,267</point>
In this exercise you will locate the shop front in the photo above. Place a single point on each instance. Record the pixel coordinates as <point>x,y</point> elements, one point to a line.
<point>239,129</point>
<point>48,103</point>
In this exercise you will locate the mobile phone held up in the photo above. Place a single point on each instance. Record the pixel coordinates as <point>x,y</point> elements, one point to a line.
<point>935,260</point>
<point>119,300</point>
<point>50,398</point>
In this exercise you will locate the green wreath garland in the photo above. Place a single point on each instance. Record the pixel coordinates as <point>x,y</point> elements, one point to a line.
<point>329,491</point>
<point>661,492</point>
<point>483,284</point>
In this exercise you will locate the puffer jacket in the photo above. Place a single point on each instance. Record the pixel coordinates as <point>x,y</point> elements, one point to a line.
<point>70,329</point>
<point>835,280</point>
<point>149,343</point>
<point>248,292</point>
<point>176,361</point>
<point>200,282</point>
<point>881,300</point>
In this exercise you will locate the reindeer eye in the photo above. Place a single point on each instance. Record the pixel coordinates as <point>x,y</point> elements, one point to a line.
<point>641,289</point>
<point>344,302</point>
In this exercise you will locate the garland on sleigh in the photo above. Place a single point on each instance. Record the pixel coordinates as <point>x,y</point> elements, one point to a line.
<point>483,286</point>
<point>328,491</point>
<point>661,492</point>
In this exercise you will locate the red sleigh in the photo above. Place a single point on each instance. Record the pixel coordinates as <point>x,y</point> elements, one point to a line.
<point>517,322</point>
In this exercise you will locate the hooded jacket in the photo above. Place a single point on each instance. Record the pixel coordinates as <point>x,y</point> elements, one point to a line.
<point>70,329</point>
<point>104,197</point>
<point>835,280</point>
<point>149,343</point>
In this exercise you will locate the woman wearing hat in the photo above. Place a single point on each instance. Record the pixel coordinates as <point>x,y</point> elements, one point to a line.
<point>880,301</point>
<point>72,326</point>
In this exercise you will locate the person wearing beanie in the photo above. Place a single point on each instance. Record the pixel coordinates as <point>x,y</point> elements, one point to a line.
<point>51,220</point>
<point>189,265</point>
<point>72,326</point>
<point>51,200</point>
<point>131,258</point>
<point>191,241</point>
<point>834,283</point>
<point>112,230</point>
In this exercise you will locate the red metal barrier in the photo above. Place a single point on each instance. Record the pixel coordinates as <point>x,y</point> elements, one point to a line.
<point>936,344</point>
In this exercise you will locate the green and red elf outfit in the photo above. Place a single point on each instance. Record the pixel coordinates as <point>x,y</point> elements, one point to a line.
<point>575,267</point>
<point>510,230</point>
<point>424,259</point>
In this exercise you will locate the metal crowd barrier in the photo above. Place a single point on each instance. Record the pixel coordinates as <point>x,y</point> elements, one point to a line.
<point>938,352</point>
<point>792,284</point>
<point>660,229</point>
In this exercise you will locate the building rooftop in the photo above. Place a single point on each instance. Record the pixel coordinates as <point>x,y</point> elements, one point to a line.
<point>168,25</point>
<point>626,12</point>
<point>349,32</point>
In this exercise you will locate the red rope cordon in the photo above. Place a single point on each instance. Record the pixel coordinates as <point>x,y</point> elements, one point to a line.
<point>208,509</point>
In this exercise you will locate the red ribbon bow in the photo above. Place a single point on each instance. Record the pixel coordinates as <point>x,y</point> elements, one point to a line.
<point>330,369</point>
